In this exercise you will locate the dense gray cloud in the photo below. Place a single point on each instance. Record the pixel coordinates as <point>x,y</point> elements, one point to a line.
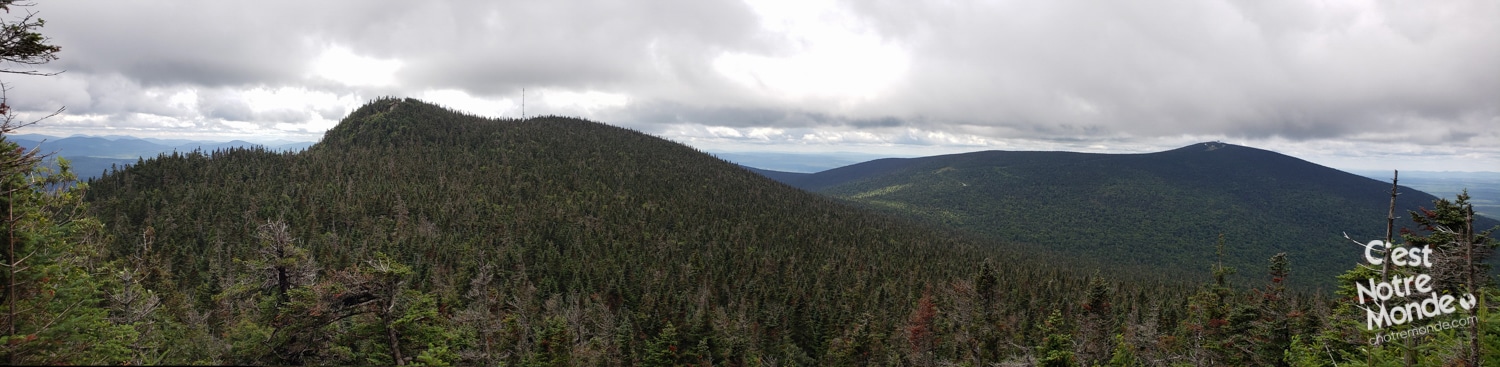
<point>583,44</point>
<point>193,43</point>
<point>1081,75</point>
<point>472,45</point>
<point>1251,69</point>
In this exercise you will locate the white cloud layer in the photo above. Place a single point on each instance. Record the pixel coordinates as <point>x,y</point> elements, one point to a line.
<point>1354,84</point>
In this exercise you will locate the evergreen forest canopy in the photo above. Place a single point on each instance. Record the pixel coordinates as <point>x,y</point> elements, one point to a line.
<point>416,235</point>
<point>616,245</point>
<point>1162,210</point>
<point>413,234</point>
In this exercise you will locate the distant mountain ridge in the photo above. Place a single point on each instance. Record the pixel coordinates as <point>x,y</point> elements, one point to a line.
<point>1165,207</point>
<point>119,146</point>
<point>92,155</point>
<point>796,162</point>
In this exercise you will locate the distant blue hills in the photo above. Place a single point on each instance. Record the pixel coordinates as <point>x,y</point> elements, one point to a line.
<point>93,155</point>
<point>1483,187</point>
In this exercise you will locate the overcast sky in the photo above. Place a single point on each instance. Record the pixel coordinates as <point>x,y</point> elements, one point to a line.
<point>1411,85</point>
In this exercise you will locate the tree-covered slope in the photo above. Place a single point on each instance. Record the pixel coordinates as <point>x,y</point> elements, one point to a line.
<point>550,238</point>
<point>1162,209</point>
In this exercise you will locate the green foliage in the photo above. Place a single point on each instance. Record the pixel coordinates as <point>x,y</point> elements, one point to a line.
<point>437,355</point>
<point>554,344</point>
<point>246,342</point>
<point>1056,349</point>
<point>1124,354</point>
<point>1344,338</point>
<point>423,333</point>
<point>854,347</point>
<point>1304,354</point>
<point>55,308</point>
<point>1459,244</point>
<point>663,349</point>
<point>63,302</point>
<point>1152,212</point>
<point>1489,325</point>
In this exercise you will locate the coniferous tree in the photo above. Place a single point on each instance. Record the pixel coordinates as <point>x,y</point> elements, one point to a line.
<point>1461,251</point>
<point>1097,327</point>
<point>1056,349</point>
<point>55,308</point>
<point>1270,333</point>
<point>1459,264</point>
<point>55,296</point>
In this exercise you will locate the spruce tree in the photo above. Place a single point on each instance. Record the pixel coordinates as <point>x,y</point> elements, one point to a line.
<point>54,309</point>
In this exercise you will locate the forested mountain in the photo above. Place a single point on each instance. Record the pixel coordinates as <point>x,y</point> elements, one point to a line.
<point>1162,209</point>
<point>557,239</point>
<point>417,235</point>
